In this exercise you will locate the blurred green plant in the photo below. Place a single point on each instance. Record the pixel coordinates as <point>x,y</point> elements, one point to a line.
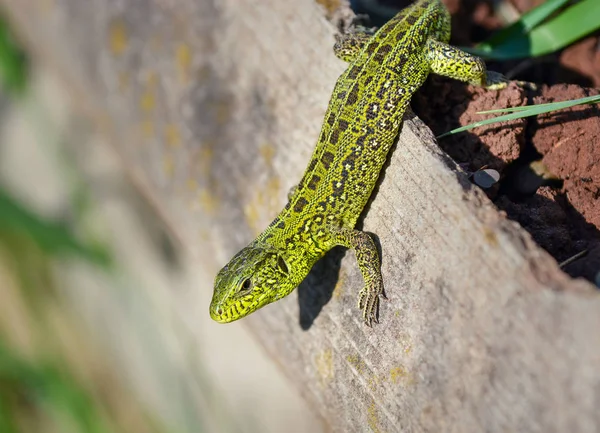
<point>14,66</point>
<point>34,391</point>
<point>542,30</point>
<point>53,238</point>
<point>41,389</point>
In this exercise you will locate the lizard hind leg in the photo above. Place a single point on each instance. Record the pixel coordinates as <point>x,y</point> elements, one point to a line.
<point>369,264</point>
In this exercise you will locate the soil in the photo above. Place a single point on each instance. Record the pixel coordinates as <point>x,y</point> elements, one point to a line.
<point>549,164</point>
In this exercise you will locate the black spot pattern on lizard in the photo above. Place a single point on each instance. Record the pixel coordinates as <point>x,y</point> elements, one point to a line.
<point>331,119</point>
<point>327,159</point>
<point>372,110</point>
<point>353,96</point>
<point>371,47</point>
<point>400,35</point>
<point>290,244</point>
<point>311,165</point>
<point>337,186</point>
<point>381,92</point>
<point>335,136</point>
<point>360,141</point>
<point>301,202</point>
<point>314,182</point>
<point>349,161</point>
<point>354,71</point>
<point>411,19</point>
<point>374,144</point>
<point>382,53</point>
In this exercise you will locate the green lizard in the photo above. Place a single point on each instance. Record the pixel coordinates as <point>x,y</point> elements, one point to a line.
<point>361,124</point>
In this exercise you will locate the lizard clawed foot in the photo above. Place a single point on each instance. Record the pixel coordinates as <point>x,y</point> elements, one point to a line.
<point>368,302</point>
<point>527,85</point>
<point>497,81</point>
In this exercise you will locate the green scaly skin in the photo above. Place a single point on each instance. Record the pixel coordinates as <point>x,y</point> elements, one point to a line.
<point>361,124</point>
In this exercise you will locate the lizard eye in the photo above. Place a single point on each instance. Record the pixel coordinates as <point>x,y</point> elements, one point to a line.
<point>246,285</point>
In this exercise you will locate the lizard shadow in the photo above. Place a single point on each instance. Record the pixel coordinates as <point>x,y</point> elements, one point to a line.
<point>317,288</point>
<point>319,285</point>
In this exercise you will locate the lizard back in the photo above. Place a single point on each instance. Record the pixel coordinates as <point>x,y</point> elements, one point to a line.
<point>361,123</point>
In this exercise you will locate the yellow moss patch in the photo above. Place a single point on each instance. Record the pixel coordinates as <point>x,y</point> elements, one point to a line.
<point>147,129</point>
<point>357,363</point>
<point>168,165</point>
<point>172,135</point>
<point>338,289</point>
<point>117,39</point>
<point>147,101</point>
<point>401,375</point>
<point>208,201</point>
<point>324,364</point>
<point>373,418</point>
<point>183,60</point>
<point>267,152</point>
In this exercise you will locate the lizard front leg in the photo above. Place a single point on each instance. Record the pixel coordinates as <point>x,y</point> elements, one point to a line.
<point>369,264</point>
<point>454,63</point>
<point>348,46</point>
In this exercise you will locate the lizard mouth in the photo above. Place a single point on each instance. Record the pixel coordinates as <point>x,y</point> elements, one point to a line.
<point>222,314</point>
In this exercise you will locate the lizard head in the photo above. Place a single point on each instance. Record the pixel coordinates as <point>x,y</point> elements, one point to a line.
<point>255,277</point>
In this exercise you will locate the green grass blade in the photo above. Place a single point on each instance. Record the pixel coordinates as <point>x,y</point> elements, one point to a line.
<point>524,25</point>
<point>572,24</point>
<point>552,105</point>
<point>521,112</point>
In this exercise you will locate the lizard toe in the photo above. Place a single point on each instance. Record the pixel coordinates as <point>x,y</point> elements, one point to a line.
<point>368,302</point>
